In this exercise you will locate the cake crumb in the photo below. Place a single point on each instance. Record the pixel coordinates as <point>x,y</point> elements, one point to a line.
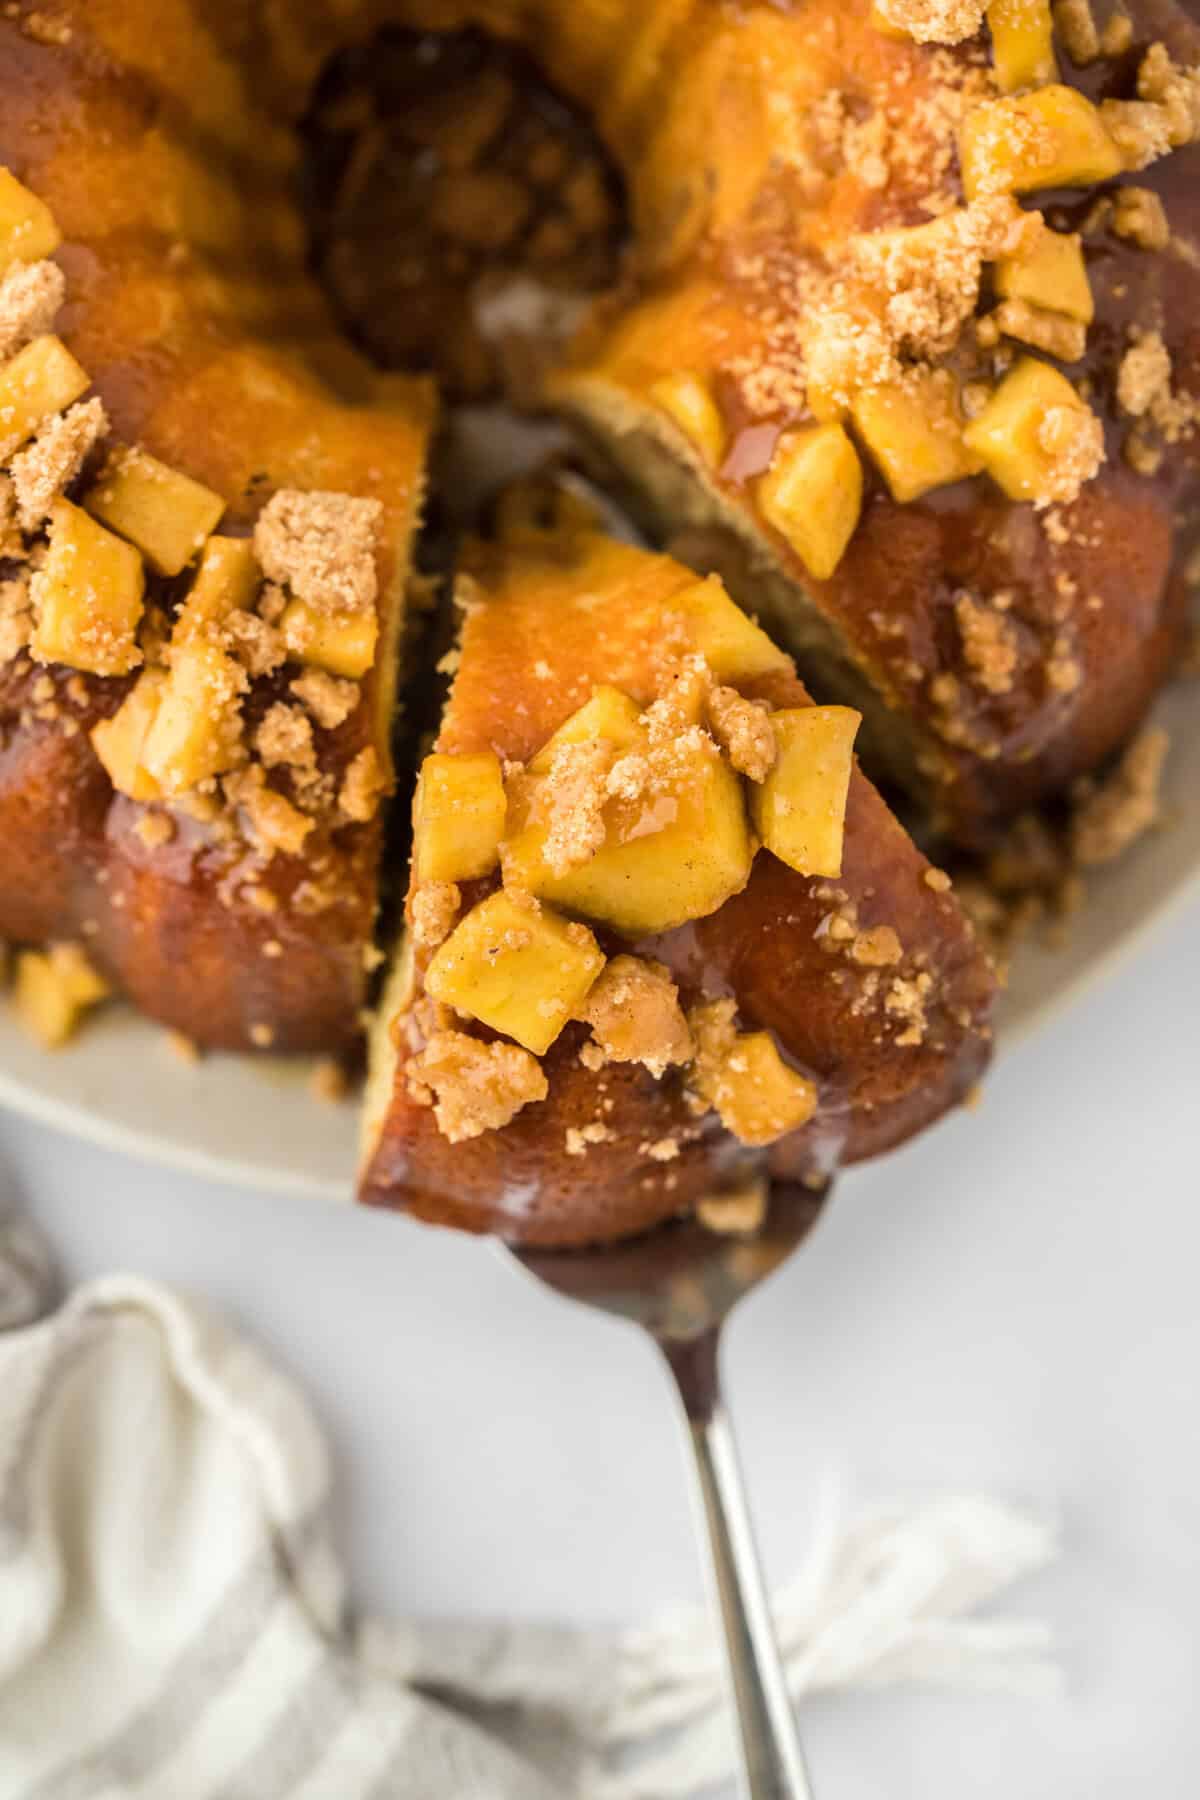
<point>989,643</point>
<point>254,643</point>
<point>433,908</point>
<point>580,1140</point>
<point>50,464</point>
<point>934,21</point>
<point>284,738</point>
<point>938,880</point>
<point>31,296</point>
<point>322,546</point>
<point>276,823</point>
<point>474,1087</point>
<point>1139,215</point>
<point>905,1001</point>
<point>877,948</point>
<point>329,699</point>
<point>1072,438</point>
<point>1123,806</point>
<point>183,1048</point>
<point>744,731</point>
<point>363,786</point>
<point>661,1150</point>
<point>635,1015</point>
<point>262,1036</point>
<point>739,1213</point>
<point>1144,375</point>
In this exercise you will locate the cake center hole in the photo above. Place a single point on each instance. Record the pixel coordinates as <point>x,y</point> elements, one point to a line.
<point>462,211</point>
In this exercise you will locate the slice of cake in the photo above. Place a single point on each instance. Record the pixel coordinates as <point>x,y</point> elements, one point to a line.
<point>660,929</point>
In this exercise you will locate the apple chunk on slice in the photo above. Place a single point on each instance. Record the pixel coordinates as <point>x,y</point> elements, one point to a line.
<point>458,816</point>
<point>673,853</point>
<point>520,969</point>
<point>800,809</point>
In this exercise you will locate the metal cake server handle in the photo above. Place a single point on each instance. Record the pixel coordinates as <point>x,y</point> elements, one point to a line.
<point>772,1759</point>
<point>680,1282</point>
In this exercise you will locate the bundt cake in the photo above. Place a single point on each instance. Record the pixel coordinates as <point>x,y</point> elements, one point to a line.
<point>611,1006</point>
<point>939,442</point>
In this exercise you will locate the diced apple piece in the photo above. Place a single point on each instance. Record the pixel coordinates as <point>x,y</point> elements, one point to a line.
<point>667,857</point>
<point>609,714</point>
<point>166,514</point>
<point>39,381</point>
<point>812,495</point>
<point>1008,434</point>
<point>87,596</point>
<point>28,229</point>
<point>120,742</point>
<point>53,991</point>
<point>522,971</point>
<point>733,646</point>
<point>1052,137</point>
<point>913,429</point>
<point>688,400</point>
<point>742,1075</point>
<point>800,809</point>
<point>1022,43</point>
<point>458,817</point>
<point>341,644</point>
<point>759,1099</point>
<point>197,730</point>
<point>1053,275</point>
<point>227,581</point>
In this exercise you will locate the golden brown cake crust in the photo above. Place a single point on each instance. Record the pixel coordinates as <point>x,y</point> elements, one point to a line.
<point>892,1044</point>
<point>189,305</point>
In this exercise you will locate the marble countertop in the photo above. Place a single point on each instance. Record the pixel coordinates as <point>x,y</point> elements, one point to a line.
<point>1009,1305</point>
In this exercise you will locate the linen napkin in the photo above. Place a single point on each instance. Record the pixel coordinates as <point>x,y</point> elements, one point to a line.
<point>174,1620</point>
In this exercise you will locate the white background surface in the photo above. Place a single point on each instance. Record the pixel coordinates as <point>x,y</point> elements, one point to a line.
<point>1010,1304</point>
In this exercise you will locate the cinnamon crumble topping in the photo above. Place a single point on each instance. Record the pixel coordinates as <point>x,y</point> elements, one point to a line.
<point>1123,806</point>
<point>1073,439</point>
<point>322,546</point>
<point>1139,215</point>
<point>31,296</point>
<point>634,1012</point>
<point>256,645</point>
<point>474,1087</point>
<point>433,909</point>
<point>328,699</point>
<point>284,738</point>
<point>571,802</point>
<point>363,786</point>
<point>744,731</point>
<point>935,21</point>
<point>989,643</point>
<point>54,458</point>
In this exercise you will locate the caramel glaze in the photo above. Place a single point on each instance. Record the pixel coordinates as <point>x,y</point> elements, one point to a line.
<point>591,610</point>
<point>189,305</point>
<point>890,604</point>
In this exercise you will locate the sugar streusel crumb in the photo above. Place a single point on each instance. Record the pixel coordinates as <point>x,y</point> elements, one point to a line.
<point>635,1015</point>
<point>474,1087</point>
<point>322,546</point>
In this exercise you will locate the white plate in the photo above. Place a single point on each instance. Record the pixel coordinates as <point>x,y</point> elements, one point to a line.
<point>254,1122</point>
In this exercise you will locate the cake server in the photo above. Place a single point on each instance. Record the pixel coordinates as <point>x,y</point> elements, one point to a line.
<point>681,1282</point>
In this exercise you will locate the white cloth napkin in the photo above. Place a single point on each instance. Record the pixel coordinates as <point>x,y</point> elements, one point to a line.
<point>174,1623</point>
